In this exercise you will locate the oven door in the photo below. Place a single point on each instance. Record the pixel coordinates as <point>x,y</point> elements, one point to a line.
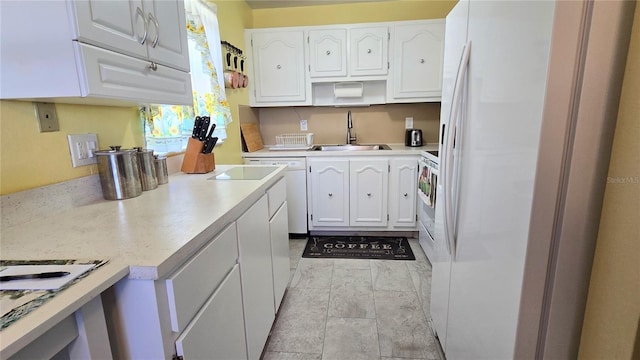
<point>427,182</point>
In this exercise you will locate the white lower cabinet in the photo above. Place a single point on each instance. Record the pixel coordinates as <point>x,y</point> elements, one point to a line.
<point>368,196</point>
<point>348,193</point>
<point>257,275</point>
<point>329,187</point>
<point>279,232</point>
<point>219,304</point>
<point>402,192</point>
<point>217,332</point>
<point>362,193</point>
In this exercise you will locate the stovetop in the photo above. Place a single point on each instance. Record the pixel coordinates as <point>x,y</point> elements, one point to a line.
<point>244,173</point>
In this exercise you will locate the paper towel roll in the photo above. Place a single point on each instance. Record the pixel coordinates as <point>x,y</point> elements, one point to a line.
<point>347,90</point>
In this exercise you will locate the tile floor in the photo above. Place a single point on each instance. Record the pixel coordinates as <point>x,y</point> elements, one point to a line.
<point>354,309</point>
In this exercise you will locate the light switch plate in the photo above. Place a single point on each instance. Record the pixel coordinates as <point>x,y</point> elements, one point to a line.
<point>303,125</point>
<point>408,123</point>
<point>81,148</point>
<point>46,116</point>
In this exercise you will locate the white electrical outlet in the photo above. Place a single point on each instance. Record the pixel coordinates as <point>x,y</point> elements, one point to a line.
<point>81,148</point>
<point>408,123</point>
<point>303,125</point>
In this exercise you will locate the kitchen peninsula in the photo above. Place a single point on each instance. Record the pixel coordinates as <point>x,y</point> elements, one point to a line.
<point>158,238</point>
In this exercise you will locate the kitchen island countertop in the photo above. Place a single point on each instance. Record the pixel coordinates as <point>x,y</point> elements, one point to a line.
<point>146,237</point>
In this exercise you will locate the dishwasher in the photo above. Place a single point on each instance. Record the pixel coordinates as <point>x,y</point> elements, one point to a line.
<point>296,189</point>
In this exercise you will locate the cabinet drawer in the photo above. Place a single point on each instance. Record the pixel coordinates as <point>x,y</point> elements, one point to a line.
<point>277,194</point>
<point>190,286</point>
<point>217,331</point>
<point>110,75</point>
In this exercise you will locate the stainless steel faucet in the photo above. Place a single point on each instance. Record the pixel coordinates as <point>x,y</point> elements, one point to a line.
<point>350,139</point>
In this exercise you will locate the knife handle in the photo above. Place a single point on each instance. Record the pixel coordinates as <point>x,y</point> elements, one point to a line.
<point>204,128</point>
<point>197,124</point>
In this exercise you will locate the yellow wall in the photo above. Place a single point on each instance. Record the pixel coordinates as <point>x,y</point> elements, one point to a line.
<point>30,159</point>
<point>612,320</point>
<point>233,18</point>
<point>395,10</point>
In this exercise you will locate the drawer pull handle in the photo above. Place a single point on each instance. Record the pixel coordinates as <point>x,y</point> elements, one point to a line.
<point>405,194</point>
<point>153,66</point>
<point>369,194</point>
<point>330,194</point>
<point>279,67</point>
<point>368,51</point>
<point>421,61</point>
<point>328,52</point>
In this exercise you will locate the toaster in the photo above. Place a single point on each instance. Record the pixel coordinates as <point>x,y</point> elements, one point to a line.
<point>413,137</point>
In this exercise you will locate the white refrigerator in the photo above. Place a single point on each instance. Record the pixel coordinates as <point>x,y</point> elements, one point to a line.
<point>529,101</point>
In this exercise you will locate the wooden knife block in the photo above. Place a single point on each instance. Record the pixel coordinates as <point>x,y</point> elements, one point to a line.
<point>195,162</point>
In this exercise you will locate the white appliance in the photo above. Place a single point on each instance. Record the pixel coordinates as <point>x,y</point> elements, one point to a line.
<point>296,189</point>
<point>529,102</point>
<point>427,182</point>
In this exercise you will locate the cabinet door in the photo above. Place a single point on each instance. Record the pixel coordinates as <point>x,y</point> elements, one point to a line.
<point>110,75</point>
<point>328,52</point>
<point>279,68</point>
<point>368,198</point>
<point>368,51</point>
<point>402,192</point>
<point>217,330</point>
<point>279,231</point>
<point>114,25</point>
<point>167,33</point>
<point>417,60</point>
<point>329,192</point>
<point>254,247</point>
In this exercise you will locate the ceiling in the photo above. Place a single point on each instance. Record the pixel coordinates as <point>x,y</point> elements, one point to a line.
<point>264,4</point>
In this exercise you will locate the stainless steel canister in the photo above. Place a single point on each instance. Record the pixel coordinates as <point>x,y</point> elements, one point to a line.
<point>161,169</point>
<point>147,169</point>
<point>119,173</point>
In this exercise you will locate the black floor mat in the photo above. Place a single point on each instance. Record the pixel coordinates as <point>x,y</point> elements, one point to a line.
<point>358,247</point>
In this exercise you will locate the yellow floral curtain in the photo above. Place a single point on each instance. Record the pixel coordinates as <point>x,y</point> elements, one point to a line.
<point>167,127</point>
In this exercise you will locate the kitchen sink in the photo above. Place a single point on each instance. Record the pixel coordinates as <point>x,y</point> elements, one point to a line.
<point>349,147</point>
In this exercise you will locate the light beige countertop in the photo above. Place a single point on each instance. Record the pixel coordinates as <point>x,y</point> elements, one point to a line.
<point>146,237</point>
<point>396,149</point>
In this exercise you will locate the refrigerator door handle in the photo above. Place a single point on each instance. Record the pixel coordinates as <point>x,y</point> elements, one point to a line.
<point>447,171</point>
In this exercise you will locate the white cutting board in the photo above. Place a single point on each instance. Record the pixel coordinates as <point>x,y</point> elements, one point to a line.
<point>41,284</point>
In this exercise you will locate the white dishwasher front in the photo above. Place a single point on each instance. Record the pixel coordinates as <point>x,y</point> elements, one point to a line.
<point>296,189</point>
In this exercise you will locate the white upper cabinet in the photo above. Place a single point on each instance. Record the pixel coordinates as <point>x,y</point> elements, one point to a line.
<point>167,33</point>
<point>368,51</point>
<point>348,52</point>
<point>327,52</point>
<point>149,29</point>
<point>96,52</point>
<point>113,25</point>
<point>346,64</point>
<point>279,71</point>
<point>416,61</point>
